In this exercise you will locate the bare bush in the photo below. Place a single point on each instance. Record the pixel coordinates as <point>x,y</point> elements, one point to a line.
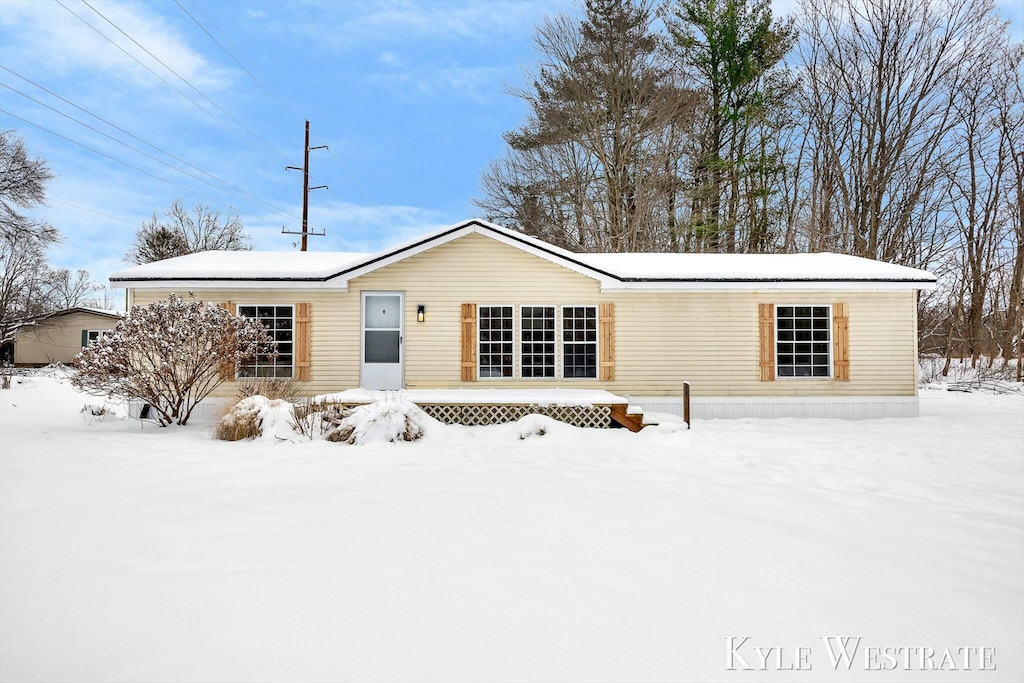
<point>171,354</point>
<point>271,387</point>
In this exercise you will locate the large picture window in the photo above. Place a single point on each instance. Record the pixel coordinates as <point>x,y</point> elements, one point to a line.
<point>279,321</point>
<point>579,342</point>
<point>496,342</point>
<point>803,341</point>
<point>537,332</point>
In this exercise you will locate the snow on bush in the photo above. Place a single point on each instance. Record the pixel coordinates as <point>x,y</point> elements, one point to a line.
<point>388,420</point>
<point>534,425</point>
<point>170,354</point>
<point>258,416</point>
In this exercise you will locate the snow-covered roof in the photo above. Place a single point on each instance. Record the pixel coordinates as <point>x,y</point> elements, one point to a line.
<point>612,271</point>
<point>739,267</point>
<point>244,265</point>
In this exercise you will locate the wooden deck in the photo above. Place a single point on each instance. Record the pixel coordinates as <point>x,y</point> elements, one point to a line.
<point>582,408</point>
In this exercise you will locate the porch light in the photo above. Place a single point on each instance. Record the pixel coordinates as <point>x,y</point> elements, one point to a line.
<point>421,313</point>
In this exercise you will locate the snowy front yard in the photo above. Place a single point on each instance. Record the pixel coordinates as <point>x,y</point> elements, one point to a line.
<point>473,554</point>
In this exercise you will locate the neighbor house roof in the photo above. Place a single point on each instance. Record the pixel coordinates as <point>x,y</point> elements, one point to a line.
<point>249,269</point>
<point>101,312</point>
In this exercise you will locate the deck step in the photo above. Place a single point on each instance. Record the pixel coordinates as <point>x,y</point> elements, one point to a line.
<point>633,421</point>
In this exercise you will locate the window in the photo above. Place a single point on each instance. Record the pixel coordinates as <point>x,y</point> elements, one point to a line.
<point>803,344</point>
<point>537,334</point>
<point>279,321</point>
<point>579,342</point>
<point>496,341</point>
<point>92,336</point>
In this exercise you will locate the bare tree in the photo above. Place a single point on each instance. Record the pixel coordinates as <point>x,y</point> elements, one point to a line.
<point>187,231</point>
<point>22,185</point>
<point>70,289</point>
<point>880,77</point>
<point>25,285</point>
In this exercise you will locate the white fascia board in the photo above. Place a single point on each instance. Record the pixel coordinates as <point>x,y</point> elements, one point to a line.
<point>199,285</point>
<point>398,255</point>
<point>758,285</point>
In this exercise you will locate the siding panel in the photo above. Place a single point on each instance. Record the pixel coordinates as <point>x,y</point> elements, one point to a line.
<point>661,339</point>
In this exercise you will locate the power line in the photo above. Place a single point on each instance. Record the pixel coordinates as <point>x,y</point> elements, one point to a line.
<point>85,208</point>
<point>283,104</point>
<point>228,52</point>
<point>184,80</point>
<point>274,208</point>
<point>154,73</point>
<point>145,154</point>
<point>107,156</point>
<point>115,160</point>
<point>137,61</point>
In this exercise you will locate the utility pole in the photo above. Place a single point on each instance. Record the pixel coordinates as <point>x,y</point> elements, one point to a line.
<point>305,191</point>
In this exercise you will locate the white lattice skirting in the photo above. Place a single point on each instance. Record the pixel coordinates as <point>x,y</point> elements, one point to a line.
<point>488,414</point>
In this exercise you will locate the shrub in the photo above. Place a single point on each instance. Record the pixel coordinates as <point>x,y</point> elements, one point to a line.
<point>241,422</point>
<point>257,416</point>
<point>271,387</point>
<point>319,418</point>
<point>392,419</point>
<point>170,354</point>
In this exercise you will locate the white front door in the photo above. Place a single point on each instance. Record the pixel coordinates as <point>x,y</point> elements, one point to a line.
<point>382,331</point>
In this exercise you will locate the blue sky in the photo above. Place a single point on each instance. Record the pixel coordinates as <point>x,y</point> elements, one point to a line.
<point>410,97</point>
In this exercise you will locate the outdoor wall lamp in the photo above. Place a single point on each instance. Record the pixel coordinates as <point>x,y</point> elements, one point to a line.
<point>421,313</point>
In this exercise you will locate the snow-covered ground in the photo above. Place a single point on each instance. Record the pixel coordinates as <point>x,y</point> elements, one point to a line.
<point>131,553</point>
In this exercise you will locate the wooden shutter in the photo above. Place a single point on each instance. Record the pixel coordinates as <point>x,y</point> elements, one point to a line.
<point>85,338</point>
<point>841,342</point>
<point>303,346</point>
<point>227,368</point>
<point>468,342</point>
<point>766,341</point>
<point>606,327</point>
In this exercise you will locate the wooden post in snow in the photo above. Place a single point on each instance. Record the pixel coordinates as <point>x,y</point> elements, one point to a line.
<point>686,404</point>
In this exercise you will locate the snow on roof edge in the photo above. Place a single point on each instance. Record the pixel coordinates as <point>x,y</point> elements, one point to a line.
<point>660,267</point>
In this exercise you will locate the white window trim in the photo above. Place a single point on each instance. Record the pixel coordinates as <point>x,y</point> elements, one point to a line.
<point>238,307</point>
<point>88,336</point>
<point>831,342</point>
<point>515,357</point>
<point>558,345</point>
<point>597,343</point>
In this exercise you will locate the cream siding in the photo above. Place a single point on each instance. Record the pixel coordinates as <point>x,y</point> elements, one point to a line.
<point>57,339</point>
<point>662,339</point>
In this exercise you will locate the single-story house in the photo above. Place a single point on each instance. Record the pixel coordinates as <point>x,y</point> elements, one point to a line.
<point>58,337</point>
<point>477,305</point>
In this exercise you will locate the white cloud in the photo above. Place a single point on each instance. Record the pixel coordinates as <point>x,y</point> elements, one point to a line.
<point>347,25</point>
<point>478,83</point>
<point>352,227</point>
<point>47,39</point>
<point>388,58</point>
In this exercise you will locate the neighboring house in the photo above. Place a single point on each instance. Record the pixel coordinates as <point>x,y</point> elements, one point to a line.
<point>480,306</point>
<point>59,336</point>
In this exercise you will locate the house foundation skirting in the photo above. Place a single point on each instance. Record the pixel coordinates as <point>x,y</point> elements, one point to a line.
<point>843,408</point>
<point>489,414</point>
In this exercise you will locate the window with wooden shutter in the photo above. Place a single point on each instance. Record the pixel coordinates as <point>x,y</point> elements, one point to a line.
<point>227,368</point>
<point>303,345</point>
<point>607,332</point>
<point>766,341</point>
<point>841,342</point>
<point>803,339</point>
<point>468,343</point>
